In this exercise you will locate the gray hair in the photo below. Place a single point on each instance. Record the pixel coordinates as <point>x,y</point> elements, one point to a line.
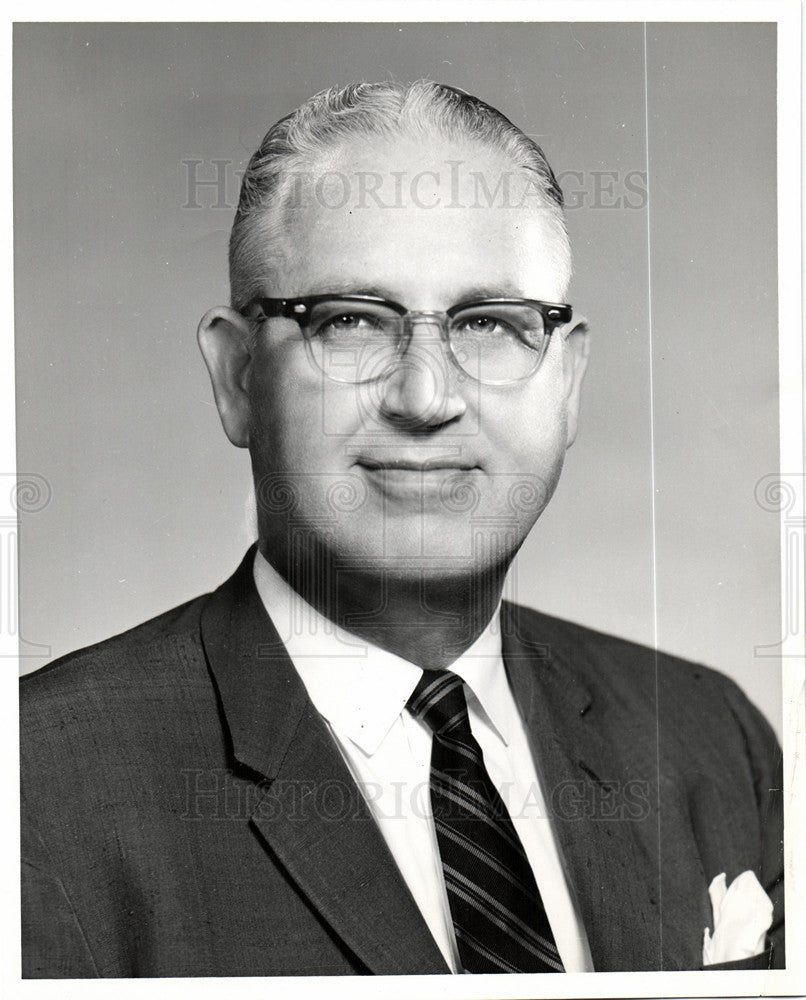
<point>340,114</point>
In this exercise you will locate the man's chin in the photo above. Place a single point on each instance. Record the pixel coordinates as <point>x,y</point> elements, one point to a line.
<point>449,564</point>
<point>402,550</point>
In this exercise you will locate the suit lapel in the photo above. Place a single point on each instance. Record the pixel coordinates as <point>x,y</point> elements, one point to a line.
<point>311,814</point>
<point>611,861</point>
<point>313,818</point>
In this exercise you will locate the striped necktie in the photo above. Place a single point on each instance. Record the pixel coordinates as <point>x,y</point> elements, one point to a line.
<point>498,916</point>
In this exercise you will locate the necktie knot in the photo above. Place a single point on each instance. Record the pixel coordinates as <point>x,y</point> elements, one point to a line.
<point>439,700</point>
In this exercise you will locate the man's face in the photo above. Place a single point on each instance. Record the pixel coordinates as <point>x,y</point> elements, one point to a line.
<point>427,472</point>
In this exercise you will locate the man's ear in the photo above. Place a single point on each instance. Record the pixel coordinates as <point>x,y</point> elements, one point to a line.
<point>224,340</point>
<point>576,347</point>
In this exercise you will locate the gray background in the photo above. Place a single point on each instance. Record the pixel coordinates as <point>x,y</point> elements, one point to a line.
<point>114,269</point>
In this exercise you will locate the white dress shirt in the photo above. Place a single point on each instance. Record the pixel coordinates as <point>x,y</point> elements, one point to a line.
<point>361,691</point>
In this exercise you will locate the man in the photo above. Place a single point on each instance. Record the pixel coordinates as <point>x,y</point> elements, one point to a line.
<point>353,757</point>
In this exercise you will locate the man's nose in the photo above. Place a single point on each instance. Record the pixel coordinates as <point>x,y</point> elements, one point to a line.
<point>422,390</point>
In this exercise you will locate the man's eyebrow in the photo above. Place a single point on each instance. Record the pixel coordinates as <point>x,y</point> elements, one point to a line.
<point>506,290</point>
<point>352,288</point>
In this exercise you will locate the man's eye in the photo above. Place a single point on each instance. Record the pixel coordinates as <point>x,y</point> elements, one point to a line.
<point>486,325</point>
<point>346,321</point>
<point>356,324</point>
<point>340,325</point>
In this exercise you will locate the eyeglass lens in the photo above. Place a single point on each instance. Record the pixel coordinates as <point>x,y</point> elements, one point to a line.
<point>360,342</point>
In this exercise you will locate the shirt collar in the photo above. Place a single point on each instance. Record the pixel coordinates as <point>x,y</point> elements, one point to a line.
<point>360,688</point>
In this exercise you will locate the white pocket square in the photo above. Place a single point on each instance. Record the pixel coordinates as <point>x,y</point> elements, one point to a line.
<point>742,917</point>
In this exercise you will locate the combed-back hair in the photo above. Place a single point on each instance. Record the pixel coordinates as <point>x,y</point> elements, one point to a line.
<point>336,116</point>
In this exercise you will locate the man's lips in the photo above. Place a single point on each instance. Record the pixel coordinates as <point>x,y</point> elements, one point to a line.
<point>414,480</point>
<point>410,464</point>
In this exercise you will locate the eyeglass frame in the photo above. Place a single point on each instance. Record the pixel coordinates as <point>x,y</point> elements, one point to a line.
<point>300,309</point>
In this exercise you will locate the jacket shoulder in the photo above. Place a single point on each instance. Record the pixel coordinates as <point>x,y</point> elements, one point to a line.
<point>639,677</point>
<point>119,663</point>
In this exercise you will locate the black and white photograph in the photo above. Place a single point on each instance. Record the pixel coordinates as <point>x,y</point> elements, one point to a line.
<point>403,531</point>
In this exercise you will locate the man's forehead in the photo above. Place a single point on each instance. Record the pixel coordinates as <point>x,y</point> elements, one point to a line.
<point>417,172</point>
<point>423,260</point>
<point>396,217</point>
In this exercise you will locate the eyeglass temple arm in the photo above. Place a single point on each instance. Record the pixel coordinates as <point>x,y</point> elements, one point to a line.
<point>288,308</point>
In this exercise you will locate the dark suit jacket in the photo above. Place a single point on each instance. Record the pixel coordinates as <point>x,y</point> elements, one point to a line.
<point>186,812</point>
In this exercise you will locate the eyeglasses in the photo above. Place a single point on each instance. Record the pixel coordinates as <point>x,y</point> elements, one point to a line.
<point>361,338</point>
